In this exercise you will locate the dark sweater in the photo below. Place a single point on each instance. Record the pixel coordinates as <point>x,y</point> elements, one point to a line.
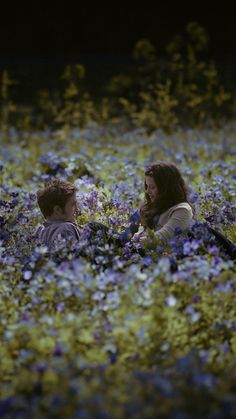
<point>48,233</point>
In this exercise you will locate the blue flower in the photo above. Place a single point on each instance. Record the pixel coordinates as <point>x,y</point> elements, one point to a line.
<point>135,217</point>
<point>178,231</point>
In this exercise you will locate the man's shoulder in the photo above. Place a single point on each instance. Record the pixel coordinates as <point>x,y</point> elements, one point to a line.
<point>59,227</point>
<point>68,226</point>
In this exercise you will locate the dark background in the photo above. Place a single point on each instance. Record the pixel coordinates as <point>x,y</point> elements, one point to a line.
<point>37,41</point>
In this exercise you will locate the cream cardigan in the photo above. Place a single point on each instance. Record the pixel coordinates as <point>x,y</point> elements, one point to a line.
<point>179,215</point>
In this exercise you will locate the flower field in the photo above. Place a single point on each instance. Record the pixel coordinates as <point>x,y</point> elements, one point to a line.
<point>112,333</point>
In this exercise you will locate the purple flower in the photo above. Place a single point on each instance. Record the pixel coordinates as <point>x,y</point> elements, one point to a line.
<point>187,250</point>
<point>97,335</point>
<point>194,197</point>
<point>25,316</point>
<point>224,288</point>
<point>2,221</point>
<point>58,350</point>
<point>14,194</point>
<point>177,231</point>
<point>91,200</point>
<point>60,306</point>
<point>164,385</point>
<point>13,203</point>
<point>4,236</point>
<point>3,203</point>
<point>159,250</point>
<point>204,380</point>
<point>213,250</point>
<point>40,366</point>
<point>112,221</point>
<point>108,327</point>
<point>32,196</point>
<point>195,299</point>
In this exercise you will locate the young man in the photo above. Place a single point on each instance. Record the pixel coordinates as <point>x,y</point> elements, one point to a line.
<point>57,202</point>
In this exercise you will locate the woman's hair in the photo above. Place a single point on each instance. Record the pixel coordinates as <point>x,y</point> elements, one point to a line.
<point>55,192</point>
<point>171,190</point>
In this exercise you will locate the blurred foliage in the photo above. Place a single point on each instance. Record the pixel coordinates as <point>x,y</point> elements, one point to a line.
<point>183,89</point>
<point>7,106</point>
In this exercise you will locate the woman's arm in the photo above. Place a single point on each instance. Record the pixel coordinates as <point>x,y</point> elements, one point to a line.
<point>181,217</point>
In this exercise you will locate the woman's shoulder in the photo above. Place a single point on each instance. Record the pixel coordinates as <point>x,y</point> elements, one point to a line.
<point>180,206</point>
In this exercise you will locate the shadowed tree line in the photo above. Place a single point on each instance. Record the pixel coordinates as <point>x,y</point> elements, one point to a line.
<point>184,87</point>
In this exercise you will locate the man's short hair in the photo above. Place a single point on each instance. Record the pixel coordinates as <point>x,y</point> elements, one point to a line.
<point>55,192</point>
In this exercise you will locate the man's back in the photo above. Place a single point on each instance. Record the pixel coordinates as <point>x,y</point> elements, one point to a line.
<point>50,231</point>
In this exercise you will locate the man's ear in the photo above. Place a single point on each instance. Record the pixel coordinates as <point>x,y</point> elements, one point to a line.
<point>57,209</point>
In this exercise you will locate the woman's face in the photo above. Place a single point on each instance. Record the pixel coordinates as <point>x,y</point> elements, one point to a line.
<point>151,187</point>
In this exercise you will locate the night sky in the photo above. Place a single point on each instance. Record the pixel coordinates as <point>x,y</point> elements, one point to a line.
<point>36,42</point>
<point>31,29</point>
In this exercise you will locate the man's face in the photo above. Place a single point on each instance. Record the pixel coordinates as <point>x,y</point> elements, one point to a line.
<point>69,211</point>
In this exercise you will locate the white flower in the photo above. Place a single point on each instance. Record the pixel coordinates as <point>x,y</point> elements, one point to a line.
<point>27,275</point>
<point>171,301</point>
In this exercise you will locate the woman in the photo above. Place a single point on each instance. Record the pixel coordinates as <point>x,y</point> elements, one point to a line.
<point>166,205</point>
<point>166,209</point>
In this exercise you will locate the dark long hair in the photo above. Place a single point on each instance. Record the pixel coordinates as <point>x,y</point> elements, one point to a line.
<point>171,187</point>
